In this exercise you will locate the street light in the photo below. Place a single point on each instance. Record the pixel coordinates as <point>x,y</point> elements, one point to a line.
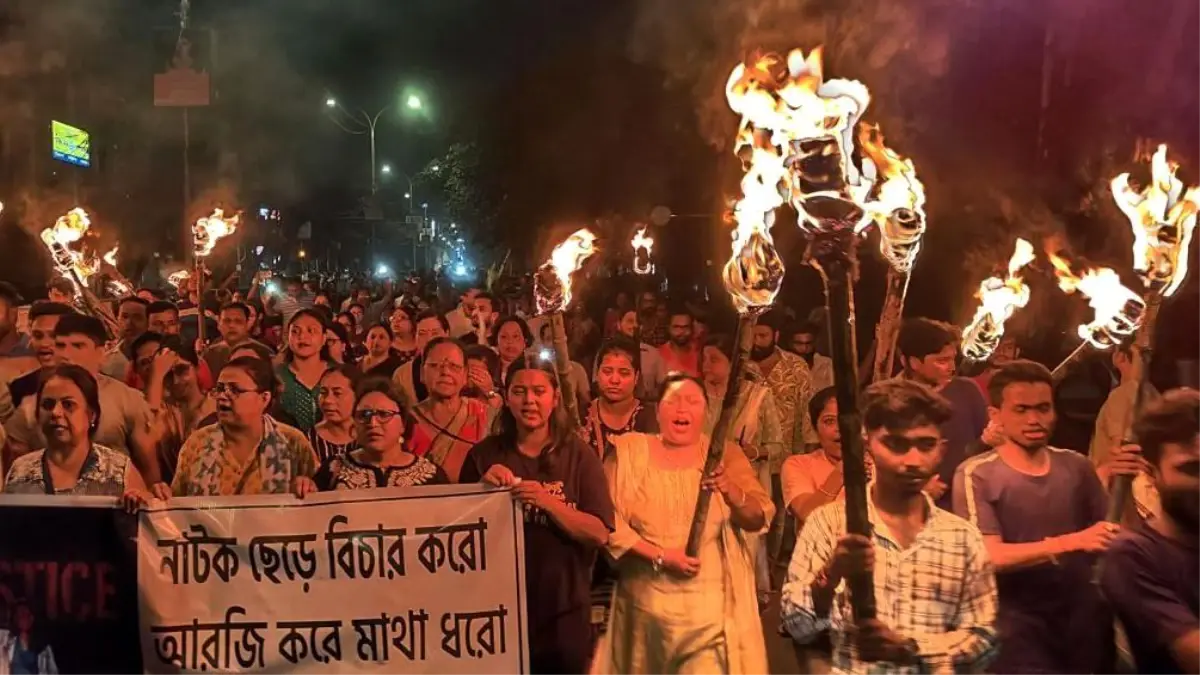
<point>331,102</point>
<point>386,168</point>
<point>414,102</point>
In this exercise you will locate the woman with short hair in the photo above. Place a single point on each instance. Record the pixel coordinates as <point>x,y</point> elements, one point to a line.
<point>246,452</point>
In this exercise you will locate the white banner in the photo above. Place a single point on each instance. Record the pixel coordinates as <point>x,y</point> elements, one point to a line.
<point>426,580</point>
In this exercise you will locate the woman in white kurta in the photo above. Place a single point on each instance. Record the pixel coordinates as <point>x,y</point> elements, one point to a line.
<point>673,613</point>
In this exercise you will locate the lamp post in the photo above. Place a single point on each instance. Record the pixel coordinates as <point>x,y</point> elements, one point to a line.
<point>364,123</point>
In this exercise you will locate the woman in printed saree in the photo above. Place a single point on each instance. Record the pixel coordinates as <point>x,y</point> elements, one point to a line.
<point>673,613</point>
<point>447,424</point>
<point>379,459</point>
<point>68,412</point>
<point>246,452</point>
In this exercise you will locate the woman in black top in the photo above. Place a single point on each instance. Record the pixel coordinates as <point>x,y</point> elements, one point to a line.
<point>568,512</point>
<point>616,410</point>
<point>380,360</point>
<point>380,460</point>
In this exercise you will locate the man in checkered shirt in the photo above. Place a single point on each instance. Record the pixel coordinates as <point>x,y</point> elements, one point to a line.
<point>935,590</point>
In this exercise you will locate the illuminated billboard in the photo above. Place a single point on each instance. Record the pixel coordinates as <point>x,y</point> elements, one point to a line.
<point>71,145</point>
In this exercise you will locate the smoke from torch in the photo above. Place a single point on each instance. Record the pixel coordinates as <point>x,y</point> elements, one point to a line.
<point>998,300</point>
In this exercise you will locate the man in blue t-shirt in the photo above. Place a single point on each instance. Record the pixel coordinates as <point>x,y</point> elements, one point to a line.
<point>1041,511</point>
<point>928,353</point>
<point>1150,572</point>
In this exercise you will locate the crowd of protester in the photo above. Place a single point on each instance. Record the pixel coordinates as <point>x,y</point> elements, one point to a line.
<point>985,538</point>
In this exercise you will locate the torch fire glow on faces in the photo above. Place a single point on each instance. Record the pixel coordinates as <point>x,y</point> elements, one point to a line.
<point>1163,217</point>
<point>205,235</point>
<point>59,239</point>
<point>643,246</point>
<point>552,293</point>
<point>999,299</point>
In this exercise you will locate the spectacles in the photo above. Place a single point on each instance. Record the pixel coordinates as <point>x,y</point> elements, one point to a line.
<point>231,389</point>
<point>447,366</point>
<point>365,416</point>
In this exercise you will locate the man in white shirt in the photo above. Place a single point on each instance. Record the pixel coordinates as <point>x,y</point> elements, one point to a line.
<point>460,319</point>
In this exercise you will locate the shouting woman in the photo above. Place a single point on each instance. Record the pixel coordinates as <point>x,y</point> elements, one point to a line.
<point>674,613</point>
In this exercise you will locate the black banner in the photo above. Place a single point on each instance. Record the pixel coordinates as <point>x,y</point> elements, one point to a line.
<point>68,590</point>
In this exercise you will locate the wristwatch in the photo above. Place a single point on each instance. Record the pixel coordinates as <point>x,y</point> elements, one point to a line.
<point>658,561</point>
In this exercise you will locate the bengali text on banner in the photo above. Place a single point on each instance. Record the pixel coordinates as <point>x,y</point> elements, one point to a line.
<point>429,580</point>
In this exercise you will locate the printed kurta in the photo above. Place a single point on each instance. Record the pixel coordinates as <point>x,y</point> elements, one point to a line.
<point>207,468</point>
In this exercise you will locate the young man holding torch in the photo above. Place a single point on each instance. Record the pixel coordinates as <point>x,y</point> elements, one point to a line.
<point>936,593</point>
<point>1149,573</point>
<point>1041,511</point>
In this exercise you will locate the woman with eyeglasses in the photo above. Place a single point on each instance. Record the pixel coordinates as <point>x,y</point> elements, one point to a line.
<point>304,364</point>
<point>674,613</point>
<point>68,413</point>
<point>404,334</point>
<point>568,512</point>
<point>447,424</point>
<point>334,435</point>
<point>246,452</point>
<point>380,459</point>
<point>339,344</point>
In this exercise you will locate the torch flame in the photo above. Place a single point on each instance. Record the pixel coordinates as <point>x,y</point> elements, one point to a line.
<point>1163,217</point>
<point>178,279</point>
<point>642,243</point>
<point>999,299</point>
<point>67,230</point>
<point>552,283</point>
<point>1118,310</point>
<point>207,231</point>
<point>803,127</point>
<point>899,205</point>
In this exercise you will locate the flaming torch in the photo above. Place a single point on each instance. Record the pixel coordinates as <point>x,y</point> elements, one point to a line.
<point>1163,217</point>
<point>205,235</point>
<point>1118,311</point>
<point>552,293</point>
<point>643,245</point>
<point>752,278</point>
<point>999,299</point>
<point>899,212</point>
<point>67,230</point>
<point>811,122</point>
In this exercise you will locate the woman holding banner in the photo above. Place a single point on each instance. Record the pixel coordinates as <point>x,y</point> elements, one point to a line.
<point>68,412</point>
<point>246,452</point>
<point>568,512</point>
<point>380,460</point>
<point>673,613</point>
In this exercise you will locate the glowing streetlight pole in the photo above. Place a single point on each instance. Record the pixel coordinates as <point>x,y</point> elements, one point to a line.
<point>369,121</point>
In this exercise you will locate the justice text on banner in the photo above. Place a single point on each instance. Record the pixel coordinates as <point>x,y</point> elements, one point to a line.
<point>426,580</point>
<point>68,592</point>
